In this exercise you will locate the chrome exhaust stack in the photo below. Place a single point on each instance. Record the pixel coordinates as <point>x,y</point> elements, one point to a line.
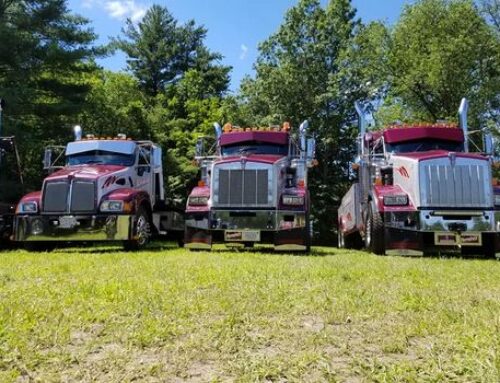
<point>462,117</point>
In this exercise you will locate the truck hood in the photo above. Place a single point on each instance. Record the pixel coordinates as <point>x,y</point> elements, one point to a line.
<point>91,172</point>
<point>432,154</point>
<point>262,158</point>
<point>442,179</point>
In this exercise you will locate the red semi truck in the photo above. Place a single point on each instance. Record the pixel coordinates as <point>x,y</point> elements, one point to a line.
<point>253,190</point>
<point>110,189</point>
<point>420,190</point>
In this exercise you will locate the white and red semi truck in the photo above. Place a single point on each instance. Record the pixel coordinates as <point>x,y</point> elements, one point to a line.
<point>109,189</point>
<point>420,190</point>
<point>254,189</point>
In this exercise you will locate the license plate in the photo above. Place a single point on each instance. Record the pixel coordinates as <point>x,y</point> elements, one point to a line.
<point>67,222</point>
<point>242,236</point>
<point>454,239</point>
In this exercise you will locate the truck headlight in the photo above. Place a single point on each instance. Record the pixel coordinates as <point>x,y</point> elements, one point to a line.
<point>198,201</point>
<point>112,206</point>
<point>497,200</point>
<point>30,207</point>
<point>396,200</point>
<point>293,200</point>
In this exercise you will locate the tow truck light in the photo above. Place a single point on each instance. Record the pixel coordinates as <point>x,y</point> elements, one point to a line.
<point>198,201</point>
<point>396,200</point>
<point>293,200</point>
<point>201,183</point>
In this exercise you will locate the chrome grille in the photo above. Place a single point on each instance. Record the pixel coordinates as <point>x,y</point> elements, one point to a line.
<point>455,185</point>
<point>83,197</point>
<point>237,187</point>
<point>56,197</point>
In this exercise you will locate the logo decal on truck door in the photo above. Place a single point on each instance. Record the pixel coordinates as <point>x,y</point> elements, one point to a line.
<point>404,173</point>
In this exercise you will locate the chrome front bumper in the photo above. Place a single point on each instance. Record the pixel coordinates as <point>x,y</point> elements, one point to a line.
<point>264,220</point>
<point>444,220</point>
<point>441,229</point>
<point>81,228</point>
<point>286,230</point>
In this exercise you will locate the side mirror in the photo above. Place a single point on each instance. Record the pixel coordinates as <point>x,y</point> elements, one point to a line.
<point>488,145</point>
<point>311,151</point>
<point>47,159</point>
<point>200,143</point>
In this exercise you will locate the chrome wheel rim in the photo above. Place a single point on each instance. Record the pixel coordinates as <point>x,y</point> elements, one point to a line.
<point>143,230</point>
<point>368,234</point>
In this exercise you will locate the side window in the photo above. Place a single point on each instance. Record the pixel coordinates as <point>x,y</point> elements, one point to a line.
<point>144,156</point>
<point>378,147</point>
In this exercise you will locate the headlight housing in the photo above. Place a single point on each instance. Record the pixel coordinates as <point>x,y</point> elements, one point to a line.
<point>396,200</point>
<point>112,206</point>
<point>30,207</point>
<point>198,200</point>
<point>292,200</point>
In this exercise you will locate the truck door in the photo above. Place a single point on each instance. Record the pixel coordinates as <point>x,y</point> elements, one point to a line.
<point>143,170</point>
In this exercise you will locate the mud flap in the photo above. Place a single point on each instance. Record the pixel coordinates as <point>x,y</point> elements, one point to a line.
<point>197,239</point>
<point>291,240</point>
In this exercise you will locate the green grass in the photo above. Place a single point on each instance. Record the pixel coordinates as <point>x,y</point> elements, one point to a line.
<point>171,315</point>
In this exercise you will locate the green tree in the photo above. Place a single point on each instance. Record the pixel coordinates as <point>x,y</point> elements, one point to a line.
<point>300,75</point>
<point>46,57</point>
<point>159,52</point>
<point>440,52</point>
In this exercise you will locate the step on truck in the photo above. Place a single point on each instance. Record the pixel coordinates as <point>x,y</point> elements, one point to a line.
<point>253,189</point>
<point>419,191</point>
<point>108,190</point>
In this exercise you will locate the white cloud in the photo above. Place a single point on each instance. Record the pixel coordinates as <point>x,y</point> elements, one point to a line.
<point>244,52</point>
<point>119,9</point>
<point>88,3</point>
<point>122,9</point>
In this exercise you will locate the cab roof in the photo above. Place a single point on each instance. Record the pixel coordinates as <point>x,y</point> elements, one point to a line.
<point>115,146</point>
<point>418,132</point>
<point>270,137</point>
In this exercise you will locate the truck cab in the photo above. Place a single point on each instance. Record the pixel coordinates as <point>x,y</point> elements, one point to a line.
<point>107,189</point>
<point>419,190</point>
<point>253,189</point>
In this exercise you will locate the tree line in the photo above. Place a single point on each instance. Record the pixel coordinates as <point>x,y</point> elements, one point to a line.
<point>318,63</point>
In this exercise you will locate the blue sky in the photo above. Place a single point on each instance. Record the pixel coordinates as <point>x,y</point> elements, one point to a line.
<point>235,27</point>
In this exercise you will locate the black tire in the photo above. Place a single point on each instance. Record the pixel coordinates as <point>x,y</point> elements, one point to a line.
<point>374,235</point>
<point>141,231</point>
<point>489,246</point>
<point>40,246</point>
<point>341,239</point>
<point>308,238</point>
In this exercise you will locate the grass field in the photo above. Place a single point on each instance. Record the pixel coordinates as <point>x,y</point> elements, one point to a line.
<point>169,315</point>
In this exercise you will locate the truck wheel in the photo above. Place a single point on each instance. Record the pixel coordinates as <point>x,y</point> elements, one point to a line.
<point>374,235</point>
<point>308,238</point>
<point>141,231</point>
<point>341,240</point>
<point>489,250</point>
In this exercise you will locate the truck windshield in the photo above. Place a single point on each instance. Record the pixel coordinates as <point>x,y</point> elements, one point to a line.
<point>101,157</point>
<point>424,146</point>
<point>254,148</point>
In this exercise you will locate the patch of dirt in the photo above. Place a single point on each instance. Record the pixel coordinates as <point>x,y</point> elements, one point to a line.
<point>313,323</point>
